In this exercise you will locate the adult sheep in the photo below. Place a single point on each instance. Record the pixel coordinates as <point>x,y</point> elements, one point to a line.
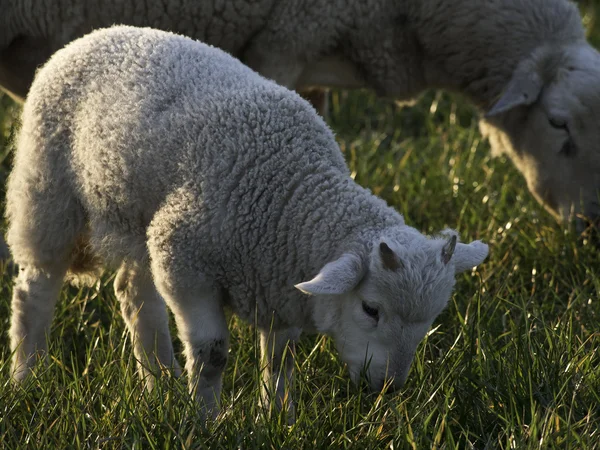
<point>216,188</point>
<point>524,63</point>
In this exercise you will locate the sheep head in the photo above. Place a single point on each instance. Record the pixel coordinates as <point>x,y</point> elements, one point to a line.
<point>548,122</point>
<point>379,305</point>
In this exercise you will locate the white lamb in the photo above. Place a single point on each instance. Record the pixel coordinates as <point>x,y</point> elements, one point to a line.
<point>213,187</point>
<point>525,63</point>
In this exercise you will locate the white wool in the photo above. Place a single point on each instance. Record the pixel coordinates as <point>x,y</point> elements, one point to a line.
<point>213,187</point>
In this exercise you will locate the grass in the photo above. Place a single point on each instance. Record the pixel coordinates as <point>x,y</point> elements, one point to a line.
<point>513,362</point>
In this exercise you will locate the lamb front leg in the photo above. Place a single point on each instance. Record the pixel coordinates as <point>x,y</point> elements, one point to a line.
<point>202,328</point>
<point>193,297</point>
<point>203,331</point>
<point>277,368</point>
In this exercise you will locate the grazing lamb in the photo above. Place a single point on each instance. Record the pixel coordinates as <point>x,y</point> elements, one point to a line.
<point>525,63</point>
<point>213,187</point>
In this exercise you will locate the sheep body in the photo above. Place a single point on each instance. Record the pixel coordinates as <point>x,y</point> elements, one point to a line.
<point>31,31</point>
<point>398,48</point>
<point>199,179</point>
<point>120,119</point>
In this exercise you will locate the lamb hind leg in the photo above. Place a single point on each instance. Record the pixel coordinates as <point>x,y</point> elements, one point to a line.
<point>147,320</point>
<point>35,294</point>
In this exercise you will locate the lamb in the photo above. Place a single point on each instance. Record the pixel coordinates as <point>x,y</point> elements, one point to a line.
<point>210,187</point>
<point>524,63</point>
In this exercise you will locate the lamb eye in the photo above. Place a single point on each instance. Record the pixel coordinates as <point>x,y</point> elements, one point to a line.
<point>559,124</point>
<point>372,312</point>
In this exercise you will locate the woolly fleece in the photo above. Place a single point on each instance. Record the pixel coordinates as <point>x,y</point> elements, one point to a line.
<point>253,191</point>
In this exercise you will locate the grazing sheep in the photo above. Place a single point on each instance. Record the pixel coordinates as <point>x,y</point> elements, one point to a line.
<point>525,63</point>
<point>213,187</point>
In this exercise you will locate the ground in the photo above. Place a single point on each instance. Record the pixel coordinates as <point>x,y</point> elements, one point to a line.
<point>513,362</point>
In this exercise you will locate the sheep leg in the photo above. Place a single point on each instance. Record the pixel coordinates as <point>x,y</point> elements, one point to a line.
<point>328,72</point>
<point>147,320</point>
<point>318,98</point>
<point>203,331</point>
<point>284,69</point>
<point>286,72</point>
<point>35,294</point>
<point>194,298</point>
<point>277,364</point>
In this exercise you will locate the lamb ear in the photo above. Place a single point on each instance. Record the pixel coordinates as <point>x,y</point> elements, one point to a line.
<point>523,89</point>
<point>467,256</point>
<point>337,277</point>
<point>388,258</point>
<point>449,248</point>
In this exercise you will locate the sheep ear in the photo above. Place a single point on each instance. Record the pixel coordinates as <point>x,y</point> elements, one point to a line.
<point>388,258</point>
<point>467,256</point>
<point>448,249</point>
<point>337,277</point>
<point>523,89</point>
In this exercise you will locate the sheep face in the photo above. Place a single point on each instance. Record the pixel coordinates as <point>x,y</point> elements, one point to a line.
<point>548,122</point>
<point>379,306</point>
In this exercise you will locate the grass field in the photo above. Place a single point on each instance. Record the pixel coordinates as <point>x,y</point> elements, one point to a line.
<point>513,362</point>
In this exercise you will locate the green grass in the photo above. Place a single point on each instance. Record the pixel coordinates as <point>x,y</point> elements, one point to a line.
<point>513,362</point>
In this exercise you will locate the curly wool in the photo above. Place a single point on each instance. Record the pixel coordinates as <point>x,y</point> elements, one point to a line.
<point>399,48</point>
<point>140,139</point>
